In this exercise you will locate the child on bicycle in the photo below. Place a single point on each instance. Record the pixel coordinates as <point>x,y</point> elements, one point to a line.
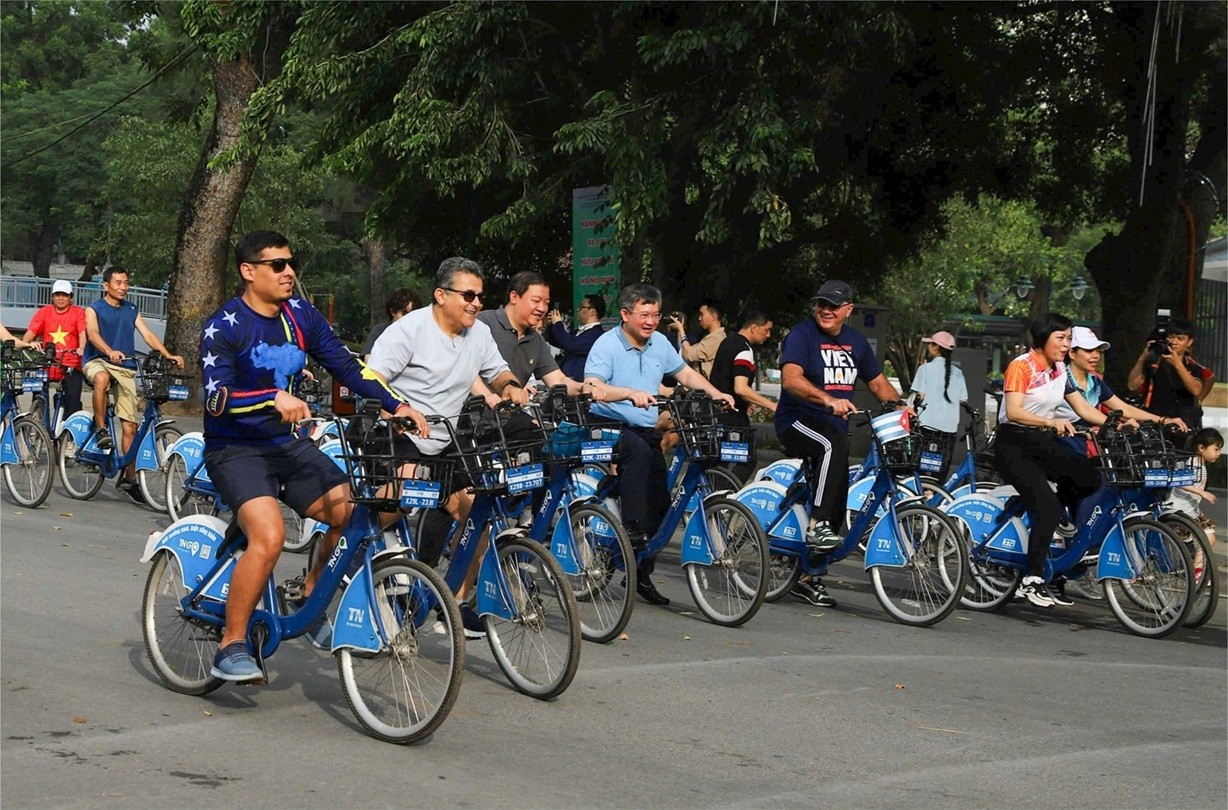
<point>1207,445</point>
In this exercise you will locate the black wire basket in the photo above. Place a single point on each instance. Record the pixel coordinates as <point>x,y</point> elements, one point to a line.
<point>162,381</point>
<point>704,437</point>
<point>386,477</point>
<point>502,450</point>
<point>575,436</point>
<point>23,371</point>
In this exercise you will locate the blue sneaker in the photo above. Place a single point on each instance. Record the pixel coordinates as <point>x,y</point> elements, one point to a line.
<point>234,663</point>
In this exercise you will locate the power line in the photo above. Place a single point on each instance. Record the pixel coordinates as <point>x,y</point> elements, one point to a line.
<point>102,112</point>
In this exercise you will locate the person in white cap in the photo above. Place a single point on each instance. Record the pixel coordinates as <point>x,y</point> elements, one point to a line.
<point>1081,365</point>
<point>941,388</point>
<point>62,324</point>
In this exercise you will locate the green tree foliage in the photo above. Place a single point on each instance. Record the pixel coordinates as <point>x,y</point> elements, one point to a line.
<point>60,64</point>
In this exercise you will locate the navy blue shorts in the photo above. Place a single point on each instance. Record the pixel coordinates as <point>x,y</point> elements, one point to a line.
<point>296,472</point>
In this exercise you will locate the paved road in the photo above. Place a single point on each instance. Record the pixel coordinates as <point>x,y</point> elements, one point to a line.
<point>803,707</point>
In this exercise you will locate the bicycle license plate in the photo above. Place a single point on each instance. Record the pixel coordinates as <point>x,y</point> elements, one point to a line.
<point>596,451</point>
<point>735,452</point>
<point>527,476</point>
<point>177,392</point>
<point>419,494</point>
<point>1182,478</point>
<point>1155,478</point>
<point>930,462</point>
<point>33,382</point>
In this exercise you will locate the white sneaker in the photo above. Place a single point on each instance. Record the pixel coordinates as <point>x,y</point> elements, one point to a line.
<point>1033,589</point>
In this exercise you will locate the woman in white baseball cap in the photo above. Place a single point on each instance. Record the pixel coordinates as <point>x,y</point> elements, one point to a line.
<point>941,387</point>
<point>1086,350</point>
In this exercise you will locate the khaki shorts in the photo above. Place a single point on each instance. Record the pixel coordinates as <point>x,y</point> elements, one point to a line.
<point>125,382</point>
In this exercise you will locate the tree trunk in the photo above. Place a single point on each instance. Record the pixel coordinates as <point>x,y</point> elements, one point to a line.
<point>208,215</point>
<point>43,248</point>
<point>377,264</point>
<point>1130,269</point>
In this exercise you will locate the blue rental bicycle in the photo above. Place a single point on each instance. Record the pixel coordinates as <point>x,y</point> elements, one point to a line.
<point>914,555</point>
<point>524,599</point>
<point>26,448</point>
<point>1145,569</point>
<point>396,631</point>
<point>724,551</point>
<point>46,406</point>
<point>1165,467</point>
<point>84,465</point>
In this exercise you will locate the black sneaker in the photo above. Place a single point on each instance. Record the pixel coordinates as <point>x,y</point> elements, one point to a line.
<point>1033,589</point>
<point>820,537</point>
<point>104,440</point>
<point>813,592</point>
<point>1066,530</point>
<point>472,622</point>
<point>1057,592</point>
<point>131,488</point>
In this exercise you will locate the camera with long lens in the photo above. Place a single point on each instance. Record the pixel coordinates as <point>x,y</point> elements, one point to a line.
<point>1157,341</point>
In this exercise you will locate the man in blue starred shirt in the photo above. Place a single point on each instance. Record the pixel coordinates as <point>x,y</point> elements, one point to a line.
<point>250,351</point>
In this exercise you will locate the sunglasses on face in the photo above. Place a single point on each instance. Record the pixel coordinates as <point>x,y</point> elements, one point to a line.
<point>278,265</point>
<point>468,295</point>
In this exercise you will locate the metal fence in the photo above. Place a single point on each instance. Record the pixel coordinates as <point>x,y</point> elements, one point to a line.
<point>31,292</point>
<point>1209,321</point>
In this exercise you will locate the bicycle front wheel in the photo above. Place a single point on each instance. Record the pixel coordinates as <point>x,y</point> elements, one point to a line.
<point>28,480</point>
<point>181,502</point>
<point>730,590</point>
<point>153,482</point>
<point>538,649</point>
<point>721,479</point>
<point>180,650</point>
<point>605,587</point>
<point>1157,600</point>
<point>1206,577</point>
<point>81,479</point>
<point>928,586</point>
<point>405,690</point>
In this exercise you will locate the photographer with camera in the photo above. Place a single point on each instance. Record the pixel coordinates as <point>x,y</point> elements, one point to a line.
<point>1169,380</point>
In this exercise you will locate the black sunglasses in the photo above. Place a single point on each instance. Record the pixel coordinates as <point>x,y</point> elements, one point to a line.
<point>468,295</point>
<point>277,264</point>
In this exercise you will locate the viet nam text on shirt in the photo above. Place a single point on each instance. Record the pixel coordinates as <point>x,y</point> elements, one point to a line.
<point>839,367</point>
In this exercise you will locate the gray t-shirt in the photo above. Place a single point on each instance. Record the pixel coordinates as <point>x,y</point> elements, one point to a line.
<point>433,371</point>
<point>527,356</point>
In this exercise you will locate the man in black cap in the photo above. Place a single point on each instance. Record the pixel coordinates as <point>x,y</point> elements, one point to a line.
<point>821,360</point>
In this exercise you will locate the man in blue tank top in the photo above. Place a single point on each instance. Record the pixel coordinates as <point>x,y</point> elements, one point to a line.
<point>111,324</point>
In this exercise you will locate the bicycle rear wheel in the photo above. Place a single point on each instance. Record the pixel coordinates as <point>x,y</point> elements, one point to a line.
<point>1206,576</point>
<point>720,479</point>
<point>930,583</point>
<point>180,650</point>
<point>783,573</point>
<point>295,541</point>
<point>1157,600</point>
<point>81,479</point>
<point>403,692</point>
<point>730,590</point>
<point>538,649</point>
<point>153,482</point>
<point>29,479</point>
<point>605,587</point>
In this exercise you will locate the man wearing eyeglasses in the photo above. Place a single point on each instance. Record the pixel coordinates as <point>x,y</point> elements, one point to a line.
<point>821,360</point>
<point>250,351</point>
<point>576,345</point>
<point>629,363</point>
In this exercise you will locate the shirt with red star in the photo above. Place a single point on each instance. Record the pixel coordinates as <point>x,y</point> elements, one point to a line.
<point>61,329</point>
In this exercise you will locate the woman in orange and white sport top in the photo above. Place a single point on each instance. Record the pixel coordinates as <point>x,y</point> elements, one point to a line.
<point>1034,388</point>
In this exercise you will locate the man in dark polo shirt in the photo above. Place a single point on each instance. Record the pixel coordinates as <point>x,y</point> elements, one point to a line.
<point>733,373</point>
<point>514,327</point>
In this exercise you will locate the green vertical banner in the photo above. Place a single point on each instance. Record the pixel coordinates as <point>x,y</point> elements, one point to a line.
<point>595,255</point>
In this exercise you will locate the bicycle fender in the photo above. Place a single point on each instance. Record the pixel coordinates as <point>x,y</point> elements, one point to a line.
<point>563,546</point>
<point>80,426</point>
<point>147,455</point>
<point>783,472</point>
<point>494,594</point>
<point>194,541</point>
<point>697,542</point>
<point>332,448</point>
<point>1114,562</point>
<point>354,623</point>
<point>586,485</point>
<point>792,525</point>
<point>191,448</point>
<point>8,447</point>
<point>883,546</point>
<point>764,498</point>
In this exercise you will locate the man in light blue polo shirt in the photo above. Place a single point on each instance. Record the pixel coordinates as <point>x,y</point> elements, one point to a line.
<point>630,362</point>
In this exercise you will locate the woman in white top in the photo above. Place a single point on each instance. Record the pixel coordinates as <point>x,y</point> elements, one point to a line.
<point>941,388</point>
